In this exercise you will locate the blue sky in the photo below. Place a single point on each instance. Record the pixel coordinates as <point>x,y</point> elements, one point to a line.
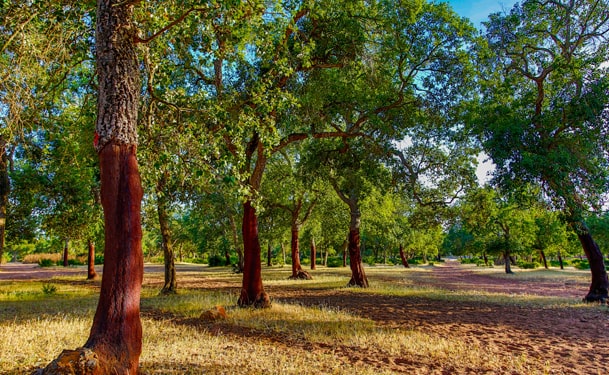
<point>478,10</point>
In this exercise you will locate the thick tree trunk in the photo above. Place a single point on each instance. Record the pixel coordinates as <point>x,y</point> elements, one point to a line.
<point>599,285</point>
<point>91,274</point>
<point>543,258</point>
<point>313,254</point>
<point>297,271</point>
<point>358,276</point>
<point>238,248</point>
<point>65,252</point>
<point>5,188</point>
<point>403,257</point>
<point>115,341</point>
<point>252,291</point>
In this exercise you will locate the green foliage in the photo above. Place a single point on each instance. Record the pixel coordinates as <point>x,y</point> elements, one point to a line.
<point>46,263</point>
<point>49,289</point>
<point>335,262</point>
<point>527,265</point>
<point>216,261</point>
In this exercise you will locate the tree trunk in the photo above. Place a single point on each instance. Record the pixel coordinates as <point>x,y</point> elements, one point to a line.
<point>269,255</point>
<point>543,258</point>
<point>485,258</point>
<point>283,253</point>
<point>326,258</point>
<point>313,254</point>
<point>115,341</point>
<point>506,258</point>
<point>403,257</point>
<point>562,267</point>
<point>5,188</point>
<point>297,271</point>
<point>252,291</point>
<point>65,252</point>
<point>238,248</point>
<point>345,249</point>
<point>599,285</point>
<point>91,274</point>
<point>171,285</point>
<point>358,276</point>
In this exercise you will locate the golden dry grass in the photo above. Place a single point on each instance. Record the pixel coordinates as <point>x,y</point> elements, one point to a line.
<point>292,337</point>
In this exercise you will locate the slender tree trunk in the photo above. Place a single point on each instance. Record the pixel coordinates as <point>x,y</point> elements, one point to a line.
<point>345,250</point>
<point>283,253</point>
<point>506,258</point>
<point>358,276</point>
<point>227,256</point>
<point>599,285</point>
<point>91,274</point>
<point>252,291</point>
<point>485,258</point>
<point>297,271</point>
<point>313,254</point>
<point>403,257</point>
<point>5,188</point>
<point>238,247</point>
<point>65,252</point>
<point>543,258</point>
<point>562,267</point>
<point>326,258</point>
<point>268,255</point>
<point>171,285</point>
<point>115,341</point>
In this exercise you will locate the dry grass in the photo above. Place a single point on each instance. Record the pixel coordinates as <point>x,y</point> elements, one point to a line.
<point>288,338</point>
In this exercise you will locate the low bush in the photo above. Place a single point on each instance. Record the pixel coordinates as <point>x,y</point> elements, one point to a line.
<point>335,262</point>
<point>36,258</point>
<point>46,263</point>
<point>528,265</point>
<point>216,261</point>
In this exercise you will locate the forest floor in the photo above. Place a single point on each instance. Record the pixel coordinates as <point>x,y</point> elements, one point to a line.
<point>569,338</point>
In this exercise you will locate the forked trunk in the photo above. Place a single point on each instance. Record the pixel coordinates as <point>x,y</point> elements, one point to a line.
<point>297,271</point>
<point>543,258</point>
<point>5,188</point>
<point>313,254</point>
<point>91,274</point>
<point>403,257</point>
<point>65,252</point>
<point>252,291</point>
<point>170,285</point>
<point>599,285</point>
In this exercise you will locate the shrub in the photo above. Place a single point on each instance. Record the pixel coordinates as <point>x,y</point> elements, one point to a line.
<point>49,289</point>
<point>581,264</point>
<point>528,265</point>
<point>45,262</point>
<point>99,259</point>
<point>335,262</point>
<point>216,261</point>
<point>36,258</point>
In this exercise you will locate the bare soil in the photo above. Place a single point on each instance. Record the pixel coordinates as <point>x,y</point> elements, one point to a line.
<point>568,340</point>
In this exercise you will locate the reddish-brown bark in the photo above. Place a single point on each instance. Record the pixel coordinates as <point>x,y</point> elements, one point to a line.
<point>252,291</point>
<point>358,276</point>
<point>65,253</point>
<point>91,274</point>
<point>116,334</point>
<point>297,271</point>
<point>403,257</point>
